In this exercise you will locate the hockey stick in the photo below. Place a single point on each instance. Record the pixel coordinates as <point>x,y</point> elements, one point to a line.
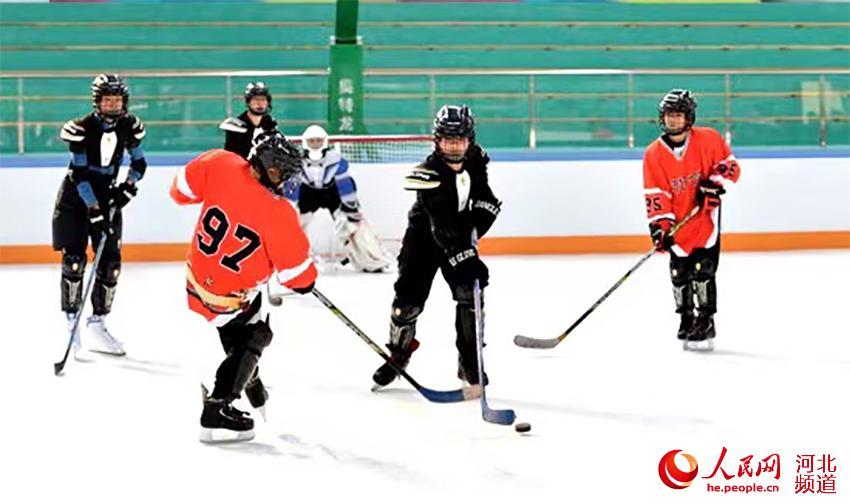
<point>59,366</point>
<point>504,416</point>
<point>276,299</point>
<point>440,396</point>
<point>526,342</point>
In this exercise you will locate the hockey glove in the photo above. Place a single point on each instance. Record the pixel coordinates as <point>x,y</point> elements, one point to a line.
<point>709,194</point>
<point>304,290</point>
<point>122,194</point>
<point>351,213</point>
<point>726,169</point>
<point>660,232</point>
<point>468,267</point>
<point>99,223</point>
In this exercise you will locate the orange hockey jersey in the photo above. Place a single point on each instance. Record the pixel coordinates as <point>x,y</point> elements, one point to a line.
<point>671,180</point>
<point>245,234</point>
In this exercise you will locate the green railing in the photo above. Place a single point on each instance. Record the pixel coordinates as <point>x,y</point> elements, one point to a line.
<point>513,107</point>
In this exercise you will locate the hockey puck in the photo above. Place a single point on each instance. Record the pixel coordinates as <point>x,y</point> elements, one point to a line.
<point>522,427</point>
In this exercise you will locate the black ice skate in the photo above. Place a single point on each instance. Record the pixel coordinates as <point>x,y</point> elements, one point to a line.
<point>400,357</point>
<point>686,326</point>
<point>222,423</point>
<point>469,374</point>
<point>702,335</point>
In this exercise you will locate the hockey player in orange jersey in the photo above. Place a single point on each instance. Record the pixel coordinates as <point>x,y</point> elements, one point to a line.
<point>246,233</point>
<point>683,170</point>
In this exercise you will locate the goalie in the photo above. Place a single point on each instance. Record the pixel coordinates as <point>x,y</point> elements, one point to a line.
<point>325,182</point>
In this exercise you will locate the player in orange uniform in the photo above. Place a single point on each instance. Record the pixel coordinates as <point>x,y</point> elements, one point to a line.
<point>246,233</point>
<point>685,169</point>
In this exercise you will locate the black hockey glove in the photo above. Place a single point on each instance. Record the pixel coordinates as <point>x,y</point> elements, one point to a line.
<point>121,194</point>
<point>660,232</point>
<point>304,290</point>
<point>468,267</point>
<point>99,223</point>
<point>709,194</point>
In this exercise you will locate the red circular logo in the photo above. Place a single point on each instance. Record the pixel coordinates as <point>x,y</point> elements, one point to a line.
<point>674,477</point>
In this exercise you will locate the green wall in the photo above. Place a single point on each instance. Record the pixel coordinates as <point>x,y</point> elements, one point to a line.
<point>182,113</point>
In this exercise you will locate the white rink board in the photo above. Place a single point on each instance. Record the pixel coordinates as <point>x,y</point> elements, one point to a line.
<point>541,198</point>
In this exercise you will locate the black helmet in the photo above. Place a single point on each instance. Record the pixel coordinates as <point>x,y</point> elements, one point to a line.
<point>678,100</point>
<point>109,85</point>
<point>258,89</point>
<point>272,150</point>
<point>453,121</point>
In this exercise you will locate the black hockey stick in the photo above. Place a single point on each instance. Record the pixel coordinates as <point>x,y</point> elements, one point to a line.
<point>526,342</point>
<point>440,396</point>
<point>504,416</point>
<point>59,366</point>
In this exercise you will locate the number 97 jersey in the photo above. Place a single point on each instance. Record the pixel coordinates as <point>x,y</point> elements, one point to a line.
<point>244,235</point>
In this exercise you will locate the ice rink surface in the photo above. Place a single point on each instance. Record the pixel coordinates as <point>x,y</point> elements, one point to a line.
<point>605,405</point>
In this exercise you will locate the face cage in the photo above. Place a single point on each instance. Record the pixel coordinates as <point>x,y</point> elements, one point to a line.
<point>462,158</point>
<point>252,96</point>
<point>690,119</point>
<point>96,105</point>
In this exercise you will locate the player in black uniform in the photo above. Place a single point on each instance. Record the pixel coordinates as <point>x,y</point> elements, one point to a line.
<point>240,131</point>
<point>453,198</point>
<point>88,193</point>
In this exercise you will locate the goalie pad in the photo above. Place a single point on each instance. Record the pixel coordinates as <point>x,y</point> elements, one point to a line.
<point>361,245</point>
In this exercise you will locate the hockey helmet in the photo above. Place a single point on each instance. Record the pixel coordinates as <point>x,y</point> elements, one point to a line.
<point>678,100</point>
<point>109,85</point>
<point>314,140</point>
<point>454,121</point>
<point>274,159</point>
<point>258,89</point>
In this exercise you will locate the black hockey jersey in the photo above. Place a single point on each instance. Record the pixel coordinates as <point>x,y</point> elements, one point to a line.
<point>97,151</point>
<point>239,132</point>
<point>448,203</point>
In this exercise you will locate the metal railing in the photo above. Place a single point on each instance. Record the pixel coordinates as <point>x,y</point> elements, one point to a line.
<point>527,83</point>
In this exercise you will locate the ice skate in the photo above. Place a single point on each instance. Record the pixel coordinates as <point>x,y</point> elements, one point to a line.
<point>385,374</point>
<point>75,338</point>
<point>702,334</point>
<point>106,343</point>
<point>222,423</point>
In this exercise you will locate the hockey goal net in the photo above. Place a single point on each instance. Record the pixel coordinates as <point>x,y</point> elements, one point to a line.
<point>378,164</point>
<point>379,148</point>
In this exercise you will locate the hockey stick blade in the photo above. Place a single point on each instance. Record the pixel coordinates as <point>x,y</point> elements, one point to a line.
<point>501,417</point>
<point>438,396</point>
<point>526,342</point>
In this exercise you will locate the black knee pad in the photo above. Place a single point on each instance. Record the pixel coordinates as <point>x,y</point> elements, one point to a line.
<point>404,314</point>
<point>259,338</point>
<point>108,271</point>
<point>705,268</point>
<point>680,273</point>
<point>73,266</point>
<point>240,365</point>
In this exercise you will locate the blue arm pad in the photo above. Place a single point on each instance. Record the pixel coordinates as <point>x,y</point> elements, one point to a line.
<point>138,164</point>
<point>86,193</point>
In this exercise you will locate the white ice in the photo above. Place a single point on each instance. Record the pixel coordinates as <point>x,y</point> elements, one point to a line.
<point>605,405</point>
